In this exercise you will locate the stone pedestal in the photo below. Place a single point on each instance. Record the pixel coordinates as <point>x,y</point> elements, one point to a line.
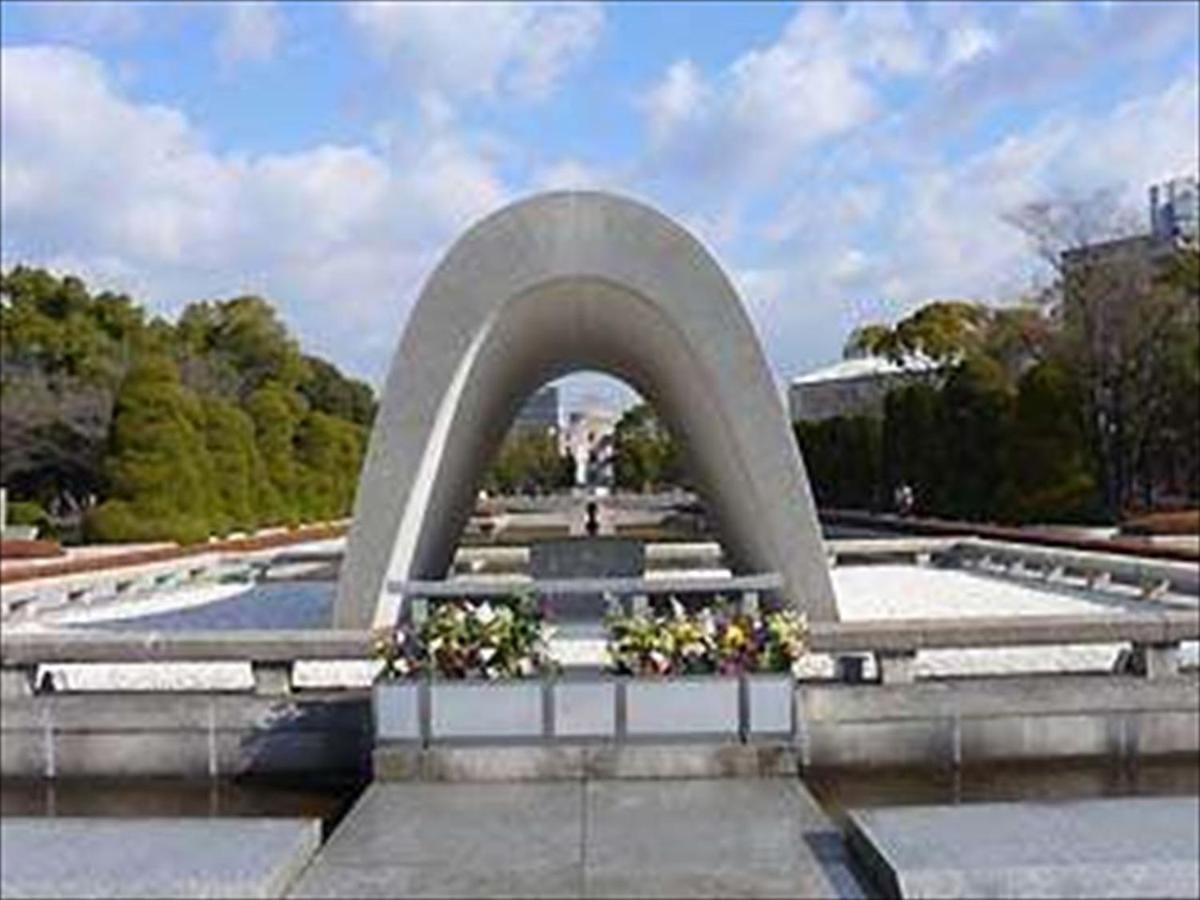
<point>586,557</point>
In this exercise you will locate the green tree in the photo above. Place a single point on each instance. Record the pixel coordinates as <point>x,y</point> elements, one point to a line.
<point>327,390</point>
<point>843,458</point>
<point>229,439</point>
<point>1048,473</point>
<point>912,444</point>
<point>645,455</point>
<point>234,347</point>
<point>975,421</point>
<point>160,473</point>
<point>276,413</point>
<point>328,451</point>
<point>528,462</point>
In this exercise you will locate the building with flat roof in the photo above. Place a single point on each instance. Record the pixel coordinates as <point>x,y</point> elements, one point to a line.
<point>853,387</point>
<point>1175,208</point>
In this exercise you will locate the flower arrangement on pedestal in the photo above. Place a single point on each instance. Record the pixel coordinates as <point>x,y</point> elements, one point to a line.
<point>459,639</point>
<point>716,640</point>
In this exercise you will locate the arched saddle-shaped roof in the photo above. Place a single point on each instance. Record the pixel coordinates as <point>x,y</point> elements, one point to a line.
<point>549,285</point>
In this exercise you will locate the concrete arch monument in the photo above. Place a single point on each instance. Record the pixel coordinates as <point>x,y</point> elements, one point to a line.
<point>552,284</point>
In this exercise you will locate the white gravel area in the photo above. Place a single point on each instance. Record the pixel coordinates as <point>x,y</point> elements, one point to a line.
<point>132,608</point>
<point>925,592</point>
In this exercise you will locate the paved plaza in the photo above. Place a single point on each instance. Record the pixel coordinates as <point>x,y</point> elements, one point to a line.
<point>153,857</point>
<point>674,838</point>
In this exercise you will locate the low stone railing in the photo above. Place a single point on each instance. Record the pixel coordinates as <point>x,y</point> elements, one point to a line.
<point>900,719</point>
<point>272,655</point>
<point>1154,637</point>
<point>633,593</point>
<point>1155,577</point>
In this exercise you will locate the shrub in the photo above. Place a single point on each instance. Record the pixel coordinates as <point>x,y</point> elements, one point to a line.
<point>29,512</point>
<point>118,522</point>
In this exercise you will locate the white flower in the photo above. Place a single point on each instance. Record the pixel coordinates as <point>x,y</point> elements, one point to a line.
<point>484,612</point>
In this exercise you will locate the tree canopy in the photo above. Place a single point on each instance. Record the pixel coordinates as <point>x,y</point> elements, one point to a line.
<point>1077,405</point>
<point>169,430</point>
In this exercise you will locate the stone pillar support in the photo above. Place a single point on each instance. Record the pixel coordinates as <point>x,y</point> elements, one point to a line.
<point>896,667</point>
<point>1156,661</point>
<point>272,678</point>
<point>18,681</point>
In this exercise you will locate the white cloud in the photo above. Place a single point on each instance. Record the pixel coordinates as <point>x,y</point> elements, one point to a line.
<point>964,44</point>
<point>473,49</point>
<point>340,236</point>
<point>1035,51</point>
<point>100,20</point>
<point>677,99</point>
<point>573,175</point>
<point>746,123</point>
<point>947,237</point>
<point>251,32</point>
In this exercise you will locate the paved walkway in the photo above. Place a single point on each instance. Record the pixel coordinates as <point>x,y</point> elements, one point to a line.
<point>697,838</point>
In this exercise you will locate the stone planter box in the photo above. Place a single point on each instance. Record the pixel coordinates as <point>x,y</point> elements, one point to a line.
<point>396,707</point>
<point>771,703</point>
<point>682,706</point>
<point>486,709</point>
<point>585,708</point>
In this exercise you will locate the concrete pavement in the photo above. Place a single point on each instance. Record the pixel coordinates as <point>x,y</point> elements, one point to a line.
<point>727,837</point>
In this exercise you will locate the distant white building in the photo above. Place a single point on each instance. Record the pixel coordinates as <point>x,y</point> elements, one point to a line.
<point>588,439</point>
<point>853,387</point>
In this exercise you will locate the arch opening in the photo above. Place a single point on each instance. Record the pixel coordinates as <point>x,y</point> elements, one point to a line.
<point>586,438</point>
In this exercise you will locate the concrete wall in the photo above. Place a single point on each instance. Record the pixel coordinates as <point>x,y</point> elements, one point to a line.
<point>184,734</point>
<point>927,723</point>
<point>972,720</point>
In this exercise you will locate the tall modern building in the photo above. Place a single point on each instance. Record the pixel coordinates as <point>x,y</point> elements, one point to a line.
<point>1175,208</point>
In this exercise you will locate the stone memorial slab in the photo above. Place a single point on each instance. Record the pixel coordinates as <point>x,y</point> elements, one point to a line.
<point>1126,847</point>
<point>107,857</point>
<point>585,557</point>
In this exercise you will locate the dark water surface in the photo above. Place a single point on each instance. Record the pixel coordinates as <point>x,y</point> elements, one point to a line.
<point>1041,781</point>
<point>312,797</point>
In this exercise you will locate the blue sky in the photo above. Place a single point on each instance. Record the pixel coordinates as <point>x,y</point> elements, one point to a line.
<point>844,162</point>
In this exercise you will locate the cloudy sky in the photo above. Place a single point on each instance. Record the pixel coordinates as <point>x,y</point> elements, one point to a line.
<point>845,163</point>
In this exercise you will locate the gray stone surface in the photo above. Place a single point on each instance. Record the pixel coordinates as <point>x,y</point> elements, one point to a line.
<point>682,706</point>
<point>491,709</point>
<point>585,557</point>
<point>595,557</point>
<point>575,761</point>
<point>99,857</point>
<point>729,837</point>
<point>1129,847</point>
<point>552,284</point>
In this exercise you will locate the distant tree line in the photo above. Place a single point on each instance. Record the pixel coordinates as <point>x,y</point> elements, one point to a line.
<point>645,455</point>
<point>144,429</point>
<point>1081,404</point>
<point>529,462</point>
